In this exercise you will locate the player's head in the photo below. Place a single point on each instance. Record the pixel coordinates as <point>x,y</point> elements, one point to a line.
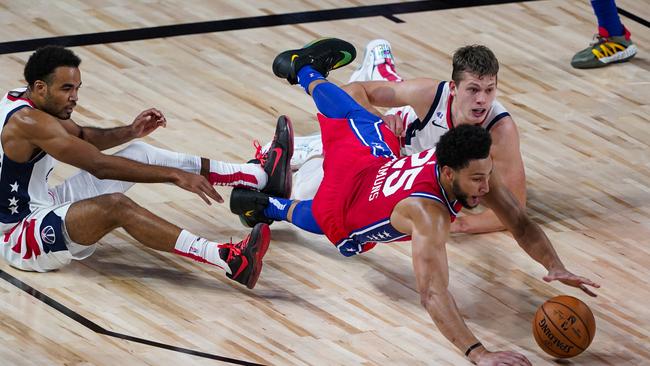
<point>474,83</point>
<point>53,78</point>
<point>464,159</point>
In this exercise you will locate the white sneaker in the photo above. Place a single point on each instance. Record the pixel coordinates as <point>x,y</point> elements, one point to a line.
<point>304,148</point>
<point>378,63</point>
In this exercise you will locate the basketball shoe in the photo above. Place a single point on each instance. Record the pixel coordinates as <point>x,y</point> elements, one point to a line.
<point>605,50</point>
<point>378,63</point>
<point>324,55</point>
<point>249,205</point>
<point>245,258</point>
<point>276,160</point>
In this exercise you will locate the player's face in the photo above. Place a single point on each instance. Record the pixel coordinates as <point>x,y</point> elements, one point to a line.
<point>61,93</point>
<point>473,97</point>
<point>470,183</point>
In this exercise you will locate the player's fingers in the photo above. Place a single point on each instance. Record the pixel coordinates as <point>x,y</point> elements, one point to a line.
<point>589,282</point>
<point>587,291</point>
<point>210,191</point>
<point>204,198</point>
<point>157,112</point>
<point>521,358</point>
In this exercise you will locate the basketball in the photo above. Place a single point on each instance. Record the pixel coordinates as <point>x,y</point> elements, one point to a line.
<point>564,326</point>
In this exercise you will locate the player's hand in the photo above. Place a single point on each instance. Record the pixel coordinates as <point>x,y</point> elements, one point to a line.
<point>198,184</point>
<point>570,279</point>
<point>507,358</point>
<point>395,124</point>
<point>147,122</point>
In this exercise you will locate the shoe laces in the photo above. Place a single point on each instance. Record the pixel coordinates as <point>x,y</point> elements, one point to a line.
<point>234,249</point>
<point>259,154</point>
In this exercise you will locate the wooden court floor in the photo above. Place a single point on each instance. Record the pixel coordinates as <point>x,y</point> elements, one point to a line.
<point>585,141</point>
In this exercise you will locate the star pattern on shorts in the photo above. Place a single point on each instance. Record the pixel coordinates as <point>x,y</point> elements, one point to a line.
<point>13,201</point>
<point>14,187</point>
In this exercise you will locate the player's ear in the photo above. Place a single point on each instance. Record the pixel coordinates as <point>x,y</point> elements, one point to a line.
<point>39,87</point>
<point>447,172</point>
<point>452,88</point>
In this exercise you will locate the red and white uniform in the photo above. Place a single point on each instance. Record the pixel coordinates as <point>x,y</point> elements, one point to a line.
<point>360,190</point>
<point>32,230</point>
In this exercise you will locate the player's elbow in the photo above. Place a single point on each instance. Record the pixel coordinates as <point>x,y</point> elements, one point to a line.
<point>355,90</point>
<point>430,298</point>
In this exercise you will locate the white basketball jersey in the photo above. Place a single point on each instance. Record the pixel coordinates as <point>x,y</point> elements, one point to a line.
<point>424,133</point>
<point>23,186</point>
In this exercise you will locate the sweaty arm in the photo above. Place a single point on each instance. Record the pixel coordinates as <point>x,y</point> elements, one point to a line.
<point>428,224</point>
<point>530,236</point>
<point>101,138</point>
<point>40,130</point>
<point>527,233</point>
<point>105,138</point>
<point>506,156</point>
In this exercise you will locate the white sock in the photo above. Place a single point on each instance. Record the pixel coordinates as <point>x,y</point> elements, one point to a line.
<point>237,175</point>
<point>147,154</point>
<point>199,249</point>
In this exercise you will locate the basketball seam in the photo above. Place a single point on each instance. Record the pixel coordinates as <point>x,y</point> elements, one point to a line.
<point>556,327</point>
<point>576,314</point>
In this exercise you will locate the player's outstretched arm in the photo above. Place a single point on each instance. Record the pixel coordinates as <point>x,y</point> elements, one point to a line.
<point>428,224</point>
<point>39,129</point>
<point>530,236</point>
<point>105,138</point>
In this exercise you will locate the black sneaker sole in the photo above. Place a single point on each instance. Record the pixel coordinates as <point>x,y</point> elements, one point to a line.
<point>259,244</point>
<point>325,55</point>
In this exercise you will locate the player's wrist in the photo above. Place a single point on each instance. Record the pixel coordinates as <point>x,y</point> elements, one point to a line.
<point>475,352</point>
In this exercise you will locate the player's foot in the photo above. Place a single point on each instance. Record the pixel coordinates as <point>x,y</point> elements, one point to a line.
<point>249,205</point>
<point>276,160</point>
<point>324,55</point>
<point>304,148</point>
<point>605,50</point>
<point>245,258</point>
<point>378,63</point>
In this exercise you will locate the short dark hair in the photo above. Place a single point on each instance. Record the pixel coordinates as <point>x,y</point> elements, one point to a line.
<point>462,144</point>
<point>475,59</point>
<point>45,60</point>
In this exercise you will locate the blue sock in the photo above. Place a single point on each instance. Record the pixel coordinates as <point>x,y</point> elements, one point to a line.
<point>278,208</point>
<point>304,218</point>
<point>334,102</point>
<point>608,18</point>
<point>306,75</point>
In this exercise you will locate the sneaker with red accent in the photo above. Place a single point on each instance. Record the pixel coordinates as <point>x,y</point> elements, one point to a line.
<point>245,258</point>
<point>605,50</point>
<point>277,160</point>
<point>378,63</point>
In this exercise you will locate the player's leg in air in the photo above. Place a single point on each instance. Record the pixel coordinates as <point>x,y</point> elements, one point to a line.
<point>309,69</point>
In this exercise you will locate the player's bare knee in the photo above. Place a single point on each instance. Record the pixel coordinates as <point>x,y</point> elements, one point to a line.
<point>118,203</point>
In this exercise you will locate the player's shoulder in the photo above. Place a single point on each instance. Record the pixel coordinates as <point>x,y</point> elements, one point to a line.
<point>505,130</point>
<point>425,209</point>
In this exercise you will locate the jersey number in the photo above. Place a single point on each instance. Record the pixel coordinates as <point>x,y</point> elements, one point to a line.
<point>404,179</point>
